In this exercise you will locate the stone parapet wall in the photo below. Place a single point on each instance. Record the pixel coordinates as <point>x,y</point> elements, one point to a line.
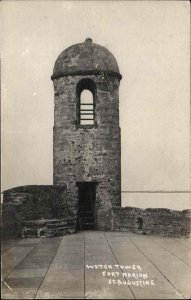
<point>34,211</point>
<point>152,221</point>
<point>9,224</point>
<point>33,203</point>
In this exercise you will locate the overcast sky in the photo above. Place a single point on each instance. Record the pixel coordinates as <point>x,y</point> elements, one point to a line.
<point>150,41</point>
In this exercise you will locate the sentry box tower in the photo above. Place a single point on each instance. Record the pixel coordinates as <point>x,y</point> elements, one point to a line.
<point>87,143</point>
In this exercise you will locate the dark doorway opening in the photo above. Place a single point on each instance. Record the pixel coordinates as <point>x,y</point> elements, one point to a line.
<point>86,211</point>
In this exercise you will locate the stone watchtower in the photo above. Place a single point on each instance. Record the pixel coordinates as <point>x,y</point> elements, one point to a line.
<point>87,145</point>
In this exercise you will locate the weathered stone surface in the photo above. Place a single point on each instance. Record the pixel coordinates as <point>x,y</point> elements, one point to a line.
<point>33,211</point>
<point>9,224</point>
<point>48,228</point>
<point>88,154</point>
<point>37,201</point>
<point>152,221</point>
<point>86,58</point>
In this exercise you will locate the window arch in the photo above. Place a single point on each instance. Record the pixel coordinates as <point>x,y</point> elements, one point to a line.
<point>86,91</point>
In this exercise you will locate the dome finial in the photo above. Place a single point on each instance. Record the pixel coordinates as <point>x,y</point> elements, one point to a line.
<point>88,41</point>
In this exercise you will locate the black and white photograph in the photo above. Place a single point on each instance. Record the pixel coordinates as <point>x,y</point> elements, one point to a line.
<point>95,149</point>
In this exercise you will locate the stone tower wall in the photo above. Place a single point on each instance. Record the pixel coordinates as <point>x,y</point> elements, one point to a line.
<point>92,154</point>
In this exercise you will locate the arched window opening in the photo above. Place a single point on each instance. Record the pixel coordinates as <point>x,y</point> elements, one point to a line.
<point>86,93</point>
<point>86,108</point>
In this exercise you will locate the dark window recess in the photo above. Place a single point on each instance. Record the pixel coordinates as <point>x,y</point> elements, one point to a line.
<point>86,102</point>
<point>140,223</point>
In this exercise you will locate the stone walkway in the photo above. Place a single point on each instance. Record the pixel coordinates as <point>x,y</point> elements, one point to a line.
<point>97,265</point>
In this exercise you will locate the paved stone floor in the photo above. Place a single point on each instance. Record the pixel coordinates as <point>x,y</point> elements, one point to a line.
<point>97,265</point>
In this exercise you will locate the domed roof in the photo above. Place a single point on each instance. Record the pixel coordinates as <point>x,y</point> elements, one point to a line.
<point>85,58</point>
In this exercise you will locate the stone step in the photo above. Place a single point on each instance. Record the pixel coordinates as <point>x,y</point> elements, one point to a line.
<point>87,220</point>
<point>60,230</point>
<point>47,228</point>
<point>85,207</point>
<point>87,225</point>
<point>87,216</point>
<point>85,213</point>
<point>55,225</point>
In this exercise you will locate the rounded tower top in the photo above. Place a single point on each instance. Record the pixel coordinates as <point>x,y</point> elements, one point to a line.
<point>86,58</point>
